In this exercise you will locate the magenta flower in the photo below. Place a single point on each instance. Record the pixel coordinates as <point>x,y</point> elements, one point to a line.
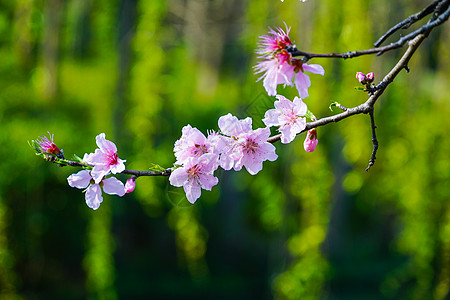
<point>130,184</point>
<point>311,140</point>
<point>245,146</point>
<point>275,41</point>
<point>289,115</point>
<point>104,159</point>
<point>84,180</point>
<point>196,174</point>
<point>46,145</point>
<point>278,65</point>
<point>192,143</point>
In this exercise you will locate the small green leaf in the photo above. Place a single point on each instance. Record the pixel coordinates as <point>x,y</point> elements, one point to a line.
<point>310,115</point>
<point>77,158</point>
<point>332,105</point>
<point>359,88</point>
<point>156,167</point>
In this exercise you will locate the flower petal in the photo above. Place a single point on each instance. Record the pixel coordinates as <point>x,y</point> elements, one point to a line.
<point>178,177</point>
<point>316,69</point>
<point>113,186</point>
<point>271,117</point>
<point>80,180</point>
<point>193,191</point>
<point>302,83</point>
<point>104,144</point>
<point>207,181</point>
<point>94,196</point>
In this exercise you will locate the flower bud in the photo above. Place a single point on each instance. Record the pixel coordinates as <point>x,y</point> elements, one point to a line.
<point>46,145</point>
<point>361,77</point>
<point>369,77</point>
<point>130,184</point>
<point>311,140</point>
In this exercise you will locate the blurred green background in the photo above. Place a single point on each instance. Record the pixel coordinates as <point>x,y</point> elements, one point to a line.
<point>308,226</point>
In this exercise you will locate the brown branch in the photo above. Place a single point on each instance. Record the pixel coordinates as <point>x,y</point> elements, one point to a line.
<point>166,172</point>
<point>425,29</point>
<point>374,141</point>
<point>408,22</point>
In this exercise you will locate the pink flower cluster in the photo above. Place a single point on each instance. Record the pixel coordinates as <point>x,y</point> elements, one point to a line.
<point>278,65</point>
<point>236,146</point>
<point>104,162</point>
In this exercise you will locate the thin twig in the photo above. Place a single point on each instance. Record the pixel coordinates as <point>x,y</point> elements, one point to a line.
<point>380,50</point>
<point>374,141</point>
<point>408,22</point>
<point>166,172</point>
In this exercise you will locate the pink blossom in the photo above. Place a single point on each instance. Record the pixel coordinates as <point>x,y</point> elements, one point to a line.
<point>46,145</point>
<point>130,184</point>
<point>274,72</point>
<point>370,77</point>
<point>245,146</point>
<point>193,143</point>
<point>282,69</point>
<point>84,180</point>
<point>104,159</point>
<point>278,65</point>
<point>289,116</point>
<point>275,41</point>
<point>311,140</point>
<point>196,174</point>
<point>295,72</point>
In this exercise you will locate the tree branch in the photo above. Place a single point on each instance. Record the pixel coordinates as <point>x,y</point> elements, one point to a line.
<point>374,141</point>
<point>380,50</point>
<point>408,22</point>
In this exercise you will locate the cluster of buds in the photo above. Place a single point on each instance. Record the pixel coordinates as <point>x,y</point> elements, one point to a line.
<point>365,79</point>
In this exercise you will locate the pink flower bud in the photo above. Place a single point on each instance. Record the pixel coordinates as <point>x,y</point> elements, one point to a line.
<point>361,77</point>
<point>369,77</point>
<point>311,140</point>
<point>130,184</point>
<point>46,145</point>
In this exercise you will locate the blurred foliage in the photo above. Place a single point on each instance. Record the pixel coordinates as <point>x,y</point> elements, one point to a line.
<point>308,226</point>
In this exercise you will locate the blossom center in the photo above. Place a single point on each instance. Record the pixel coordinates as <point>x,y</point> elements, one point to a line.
<point>250,146</point>
<point>283,56</point>
<point>291,117</point>
<point>199,150</point>
<point>112,158</point>
<point>194,171</point>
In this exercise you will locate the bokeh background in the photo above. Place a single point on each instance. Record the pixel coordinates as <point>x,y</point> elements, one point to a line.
<point>308,226</point>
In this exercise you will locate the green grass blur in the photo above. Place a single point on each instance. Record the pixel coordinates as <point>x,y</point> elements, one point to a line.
<point>308,226</point>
